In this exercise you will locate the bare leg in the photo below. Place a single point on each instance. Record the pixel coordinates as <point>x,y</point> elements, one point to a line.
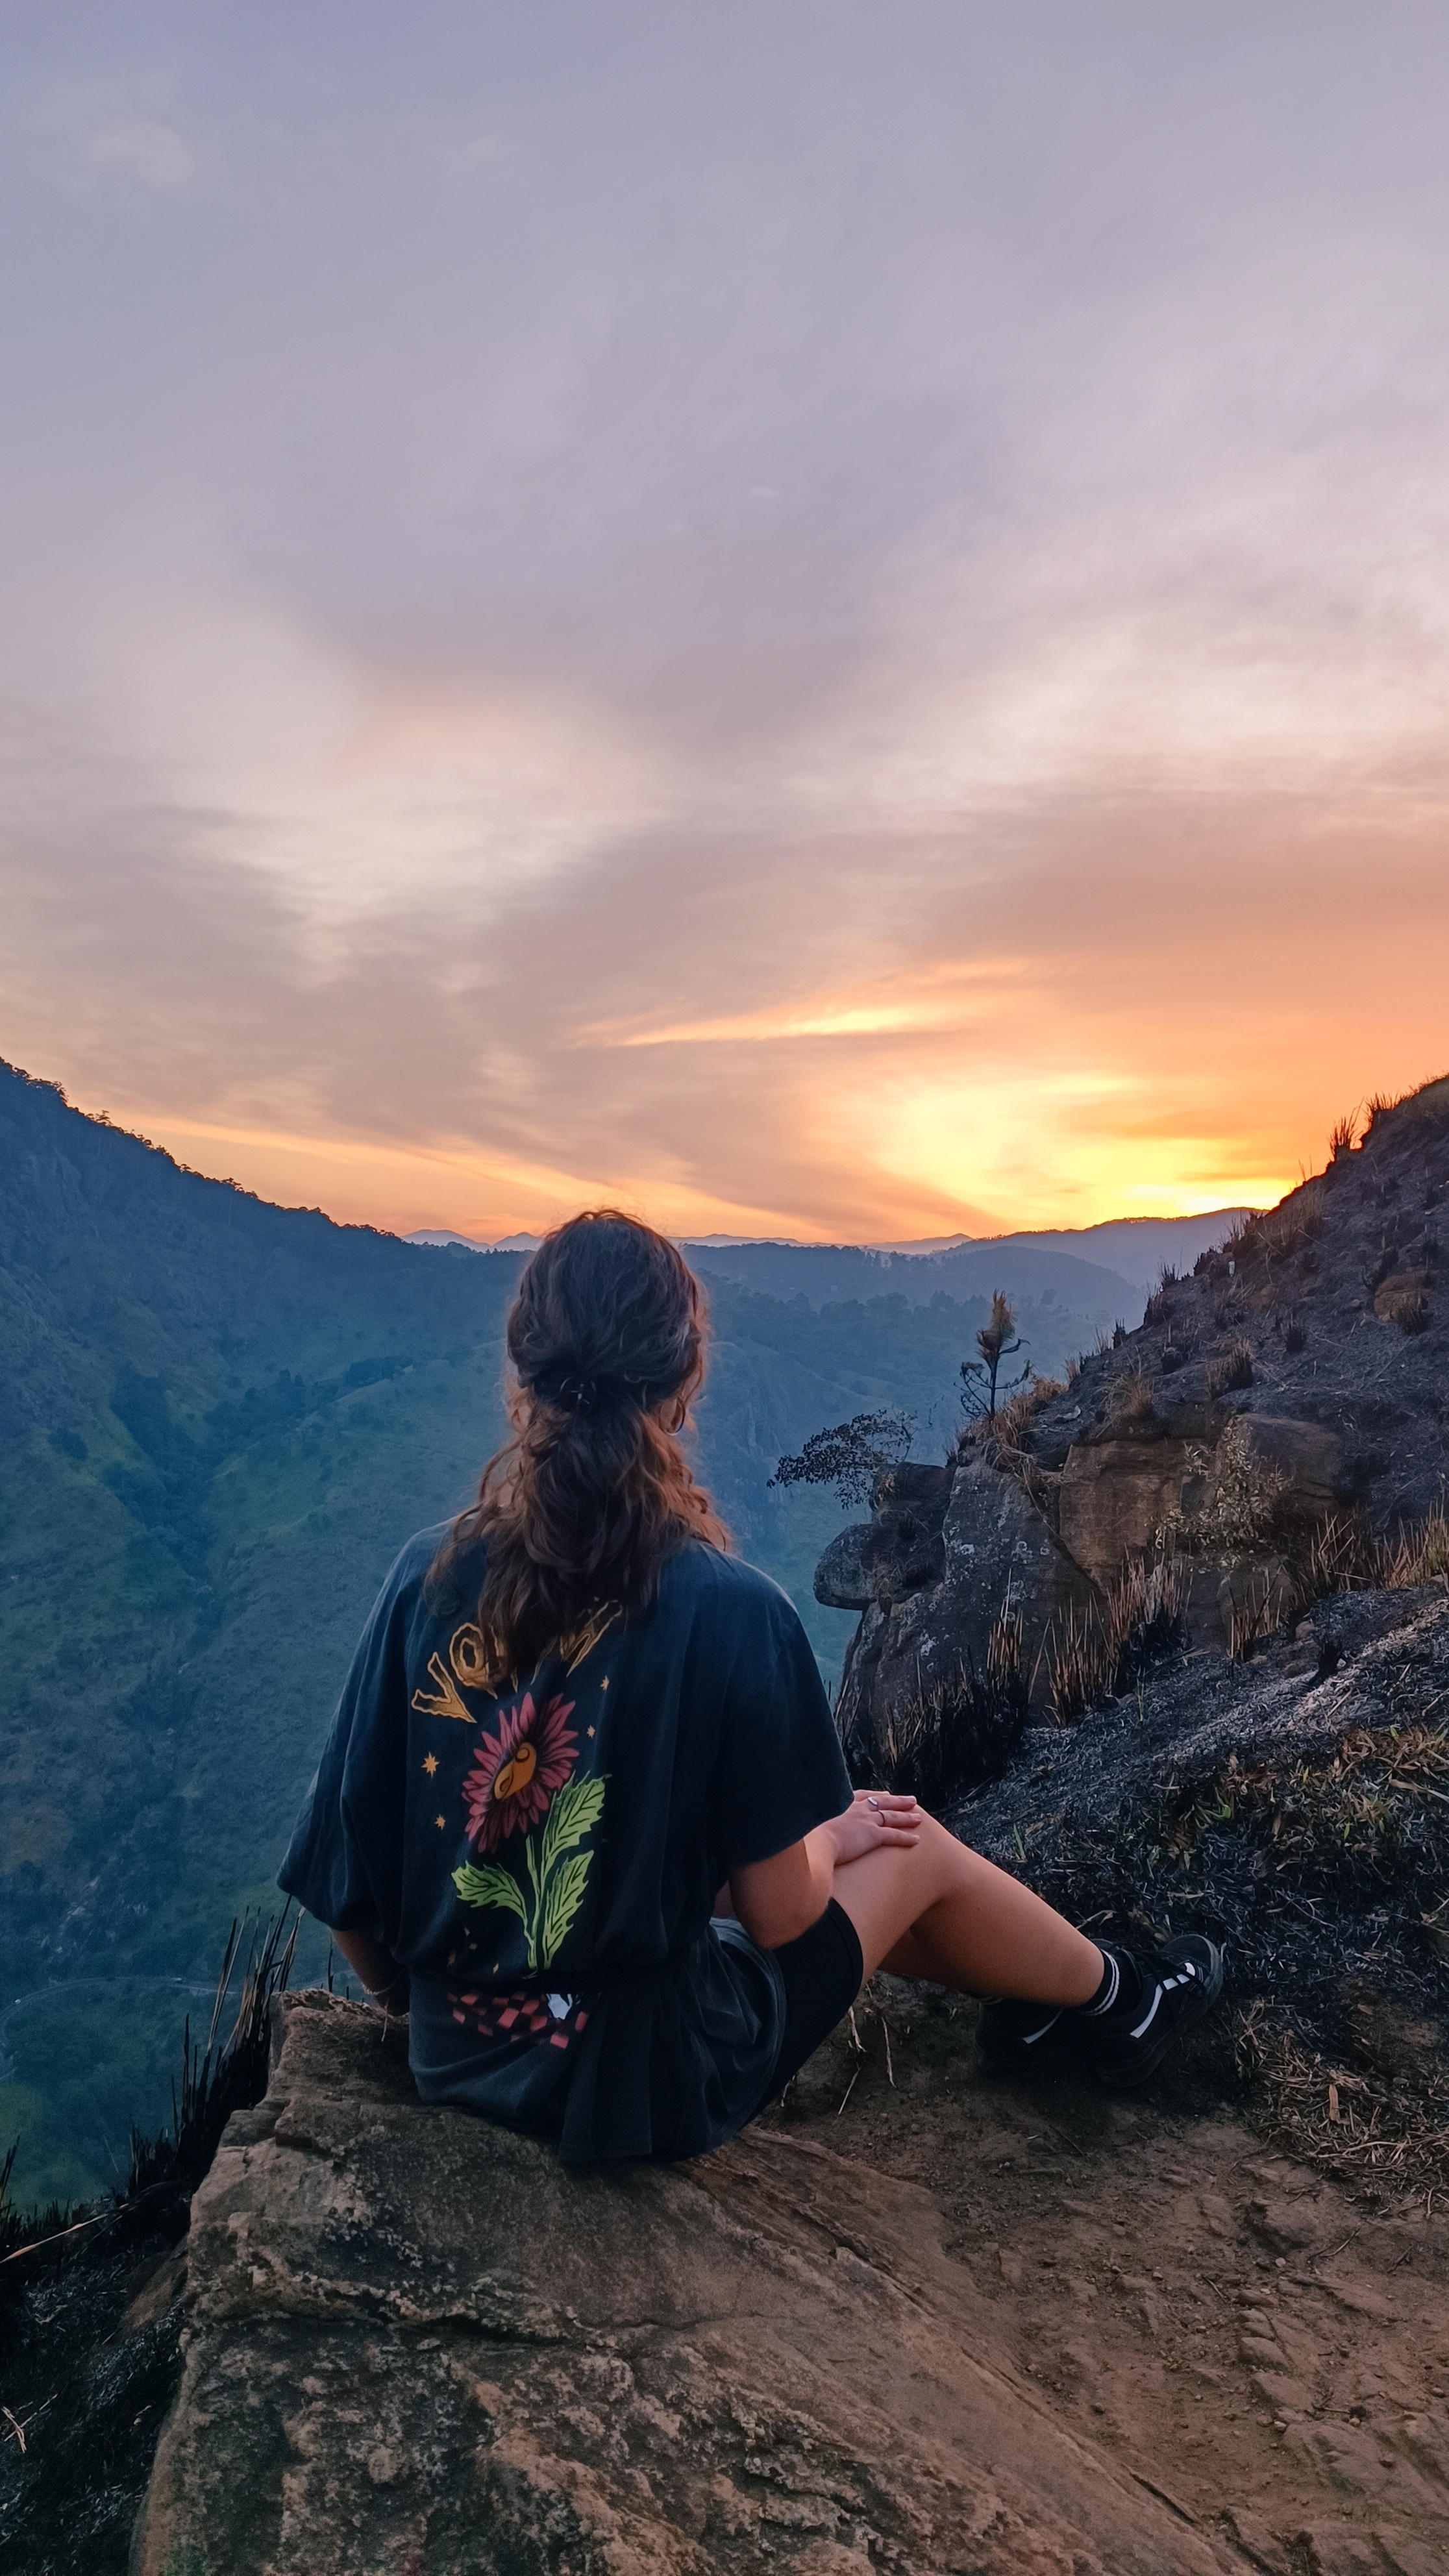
<point>939,1910</point>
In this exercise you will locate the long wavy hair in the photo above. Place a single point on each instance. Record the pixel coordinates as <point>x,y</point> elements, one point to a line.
<point>582,1507</point>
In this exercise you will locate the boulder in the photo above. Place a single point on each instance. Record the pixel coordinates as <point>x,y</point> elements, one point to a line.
<point>998,1552</point>
<point>1115,1495</point>
<point>1308,1457</point>
<point>419,2344</point>
<point>898,1551</point>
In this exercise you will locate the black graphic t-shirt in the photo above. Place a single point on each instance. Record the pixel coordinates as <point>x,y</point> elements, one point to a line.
<point>541,1851</point>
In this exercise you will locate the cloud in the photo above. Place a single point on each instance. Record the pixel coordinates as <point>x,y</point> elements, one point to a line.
<point>141,152</point>
<point>855,653</point>
<point>1128,1004</point>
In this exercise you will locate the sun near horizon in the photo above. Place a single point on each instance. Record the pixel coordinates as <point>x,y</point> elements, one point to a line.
<point>405,1190</point>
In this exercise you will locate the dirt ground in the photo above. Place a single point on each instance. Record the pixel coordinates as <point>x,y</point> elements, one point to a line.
<point>1265,2349</point>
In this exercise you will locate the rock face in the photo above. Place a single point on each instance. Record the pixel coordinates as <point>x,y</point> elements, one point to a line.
<point>417,2344</point>
<point>1318,1338</point>
<point>922,1629</point>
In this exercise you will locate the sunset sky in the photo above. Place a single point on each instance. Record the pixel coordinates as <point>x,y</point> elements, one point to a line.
<point>826,619</point>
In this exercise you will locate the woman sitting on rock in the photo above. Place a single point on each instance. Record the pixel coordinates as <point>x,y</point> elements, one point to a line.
<point>574,1719</point>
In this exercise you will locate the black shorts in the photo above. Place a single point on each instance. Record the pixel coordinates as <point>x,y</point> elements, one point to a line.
<point>823,1971</point>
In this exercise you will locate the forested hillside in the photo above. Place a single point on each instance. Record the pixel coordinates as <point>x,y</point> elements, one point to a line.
<point>218,1421</point>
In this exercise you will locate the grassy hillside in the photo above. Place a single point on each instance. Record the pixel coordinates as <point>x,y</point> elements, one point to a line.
<point>218,1422</point>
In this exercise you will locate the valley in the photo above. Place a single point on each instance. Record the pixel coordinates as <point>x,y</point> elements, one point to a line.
<point>218,1422</point>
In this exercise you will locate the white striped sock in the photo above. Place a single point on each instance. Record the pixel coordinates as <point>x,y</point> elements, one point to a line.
<point>1113,1989</point>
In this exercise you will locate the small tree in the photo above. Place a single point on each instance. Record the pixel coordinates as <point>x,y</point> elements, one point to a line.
<point>996,1339</point>
<point>851,1455</point>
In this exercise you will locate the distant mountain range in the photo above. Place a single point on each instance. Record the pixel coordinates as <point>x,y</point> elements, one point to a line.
<point>1126,1252</point>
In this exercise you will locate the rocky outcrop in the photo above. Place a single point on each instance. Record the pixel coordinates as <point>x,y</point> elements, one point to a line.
<point>1317,1337</point>
<point>898,1551</point>
<point>416,2343</point>
<point>922,1633</point>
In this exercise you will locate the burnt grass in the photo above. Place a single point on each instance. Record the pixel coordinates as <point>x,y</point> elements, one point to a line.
<point>1297,1810</point>
<point>91,2300</point>
<point>1332,1308</point>
<point>92,2356</point>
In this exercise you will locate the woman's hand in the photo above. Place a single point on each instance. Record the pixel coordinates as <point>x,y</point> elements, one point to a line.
<point>777,1900</point>
<point>875,1820</point>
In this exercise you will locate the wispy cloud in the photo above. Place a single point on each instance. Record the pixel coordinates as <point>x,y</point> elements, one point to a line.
<point>856,654</point>
<point>139,152</point>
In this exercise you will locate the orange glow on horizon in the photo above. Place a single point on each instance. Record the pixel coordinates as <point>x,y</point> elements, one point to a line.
<point>403,1189</point>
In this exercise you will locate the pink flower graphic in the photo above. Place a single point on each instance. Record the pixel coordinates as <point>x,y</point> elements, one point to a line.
<point>516,1771</point>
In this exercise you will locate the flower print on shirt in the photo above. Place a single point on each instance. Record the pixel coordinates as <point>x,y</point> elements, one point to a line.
<point>522,1779</point>
<point>516,1771</point>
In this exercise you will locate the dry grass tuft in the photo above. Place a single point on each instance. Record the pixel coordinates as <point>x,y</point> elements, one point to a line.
<point>1351,2125</point>
<point>1342,1556</point>
<point>230,2072</point>
<point>1430,1100</point>
<point>1404,1300</point>
<point>19,2228</point>
<point>1159,1304</point>
<point>1285,1229</point>
<point>960,1731</point>
<point>1232,1369</point>
<point>1339,1557</point>
<point>1253,1621</point>
<point>1130,1402</point>
<point>1096,1655</point>
<point>1003,1438</point>
<point>1075,1667</point>
<point>1273,1235</point>
<point>1241,1505</point>
<point>1416,1555</point>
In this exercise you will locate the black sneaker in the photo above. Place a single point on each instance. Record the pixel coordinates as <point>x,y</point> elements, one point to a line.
<point>1180,1984</point>
<point>1011,2038</point>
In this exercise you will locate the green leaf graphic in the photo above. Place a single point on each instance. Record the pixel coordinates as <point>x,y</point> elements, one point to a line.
<point>575,1810</point>
<point>557,1872</point>
<point>489,1885</point>
<point>565,1896</point>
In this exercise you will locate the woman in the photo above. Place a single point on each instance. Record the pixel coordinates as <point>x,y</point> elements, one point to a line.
<point>573,1718</point>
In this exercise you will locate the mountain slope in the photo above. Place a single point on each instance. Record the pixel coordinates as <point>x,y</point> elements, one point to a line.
<point>218,1419</point>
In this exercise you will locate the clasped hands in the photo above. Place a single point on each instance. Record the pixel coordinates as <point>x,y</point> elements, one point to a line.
<point>875,1820</point>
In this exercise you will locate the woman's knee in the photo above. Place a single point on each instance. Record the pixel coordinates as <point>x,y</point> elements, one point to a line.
<point>944,1862</point>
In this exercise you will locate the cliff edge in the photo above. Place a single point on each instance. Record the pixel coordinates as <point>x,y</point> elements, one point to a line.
<point>416,2343</point>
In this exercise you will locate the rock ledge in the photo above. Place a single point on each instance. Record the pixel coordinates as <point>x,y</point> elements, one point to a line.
<point>417,2344</point>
